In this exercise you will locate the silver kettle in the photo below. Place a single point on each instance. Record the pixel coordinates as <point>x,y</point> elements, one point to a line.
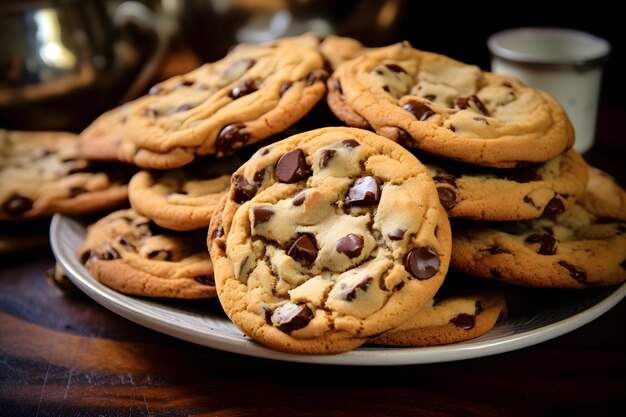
<point>64,62</point>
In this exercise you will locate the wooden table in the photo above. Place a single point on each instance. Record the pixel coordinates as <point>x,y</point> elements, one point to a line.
<point>65,355</point>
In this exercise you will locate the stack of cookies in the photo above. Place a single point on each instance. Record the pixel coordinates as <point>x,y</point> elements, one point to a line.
<point>502,158</point>
<point>42,173</point>
<point>186,137</point>
<point>331,195</point>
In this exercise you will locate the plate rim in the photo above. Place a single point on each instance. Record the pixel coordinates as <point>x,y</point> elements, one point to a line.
<point>131,309</point>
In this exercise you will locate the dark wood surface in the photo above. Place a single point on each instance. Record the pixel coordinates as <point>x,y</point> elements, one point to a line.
<point>65,355</point>
<point>62,354</point>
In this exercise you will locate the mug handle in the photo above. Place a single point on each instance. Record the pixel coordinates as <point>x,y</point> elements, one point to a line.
<point>134,12</point>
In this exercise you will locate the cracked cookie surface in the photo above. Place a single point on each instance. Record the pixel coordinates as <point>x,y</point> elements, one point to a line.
<point>447,108</point>
<point>253,92</point>
<point>130,254</point>
<point>584,246</point>
<point>41,173</point>
<point>326,238</point>
<point>183,198</point>
<point>483,193</point>
<point>453,317</point>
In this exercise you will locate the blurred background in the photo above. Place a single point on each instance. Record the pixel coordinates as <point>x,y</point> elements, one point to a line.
<point>64,62</point>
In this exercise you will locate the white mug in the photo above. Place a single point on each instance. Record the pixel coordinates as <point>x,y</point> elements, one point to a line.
<point>565,63</point>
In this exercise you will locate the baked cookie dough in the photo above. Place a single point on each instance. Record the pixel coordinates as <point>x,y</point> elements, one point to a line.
<point>41,174</point>
<point>130,254</point>
<point>482,193</point>
<point>451,318</point>
<point>582,247</point>
<point>183,198</point>
<point>327,238</point>
<point>447,108</point>
<point>252,93</point>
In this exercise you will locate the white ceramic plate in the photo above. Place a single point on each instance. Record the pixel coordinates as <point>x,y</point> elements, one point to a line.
<point>536,316</point>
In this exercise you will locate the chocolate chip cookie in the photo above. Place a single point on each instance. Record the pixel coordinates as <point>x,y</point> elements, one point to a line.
<point>447,108</point>
<point>130,254</point>
<point>101,140</point>
<point>41,174</point>
<point>183,198</point>
<point>584,246</point>
<point>484,193</point>
<point>253,92</point>
<point>327,238</point>
<point>450,318</point>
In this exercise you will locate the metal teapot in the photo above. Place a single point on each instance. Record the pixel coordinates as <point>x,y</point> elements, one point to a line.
<point>64,62</point>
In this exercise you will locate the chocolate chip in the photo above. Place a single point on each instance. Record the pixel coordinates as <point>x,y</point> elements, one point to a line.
<point>418,109</point>
<point>496,250</point>
<point>290,317</point>
<point>109,255</point>
<point>465,321</point>
<point>386,88</point>
<point>259,176</point>
<point>478,307</point>
<point>303,249</point>
<point>445,178</point>
<point>336,85</point>
<point>404,138</point>
<point>326,155</point>
<point>231,138</point>
<point>578,274</point>
<point>299,198</point>
<point>548,243</point>
<point>447,197</point>
<point>465,102</point>
<point>481,120</point>
<point>350,245</point>
<point>261,214</point>
<point>461,103</point>
<point>422,262</point>
<point>126,244</point>
<point>205,280</point>
<point>529,200</point>
<point>292,167</point>
<point>217,233</point>
<point>284,87</point>
<point>183,83</point>
<point>315,76</point>
<point>522,175</point>
<point>242,189</point>
<point>397,234</point>
<point>554,206</point>
<point>364,192</point>
<point>395,68</point>
<point>348,291</point>
<point>350,143</point>
<point>17,204</point>
<point>160,255</point>
<point>243,88</point>
<point>430,97</point>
